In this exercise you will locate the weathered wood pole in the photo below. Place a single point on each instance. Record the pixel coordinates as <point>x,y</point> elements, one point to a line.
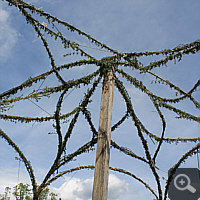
<point>100,185</point>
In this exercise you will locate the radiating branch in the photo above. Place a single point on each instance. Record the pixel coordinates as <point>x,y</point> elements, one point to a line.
<point>23,158</point>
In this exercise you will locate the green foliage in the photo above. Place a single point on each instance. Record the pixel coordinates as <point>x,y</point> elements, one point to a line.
<point>5,196</point>
<point>23,192</point>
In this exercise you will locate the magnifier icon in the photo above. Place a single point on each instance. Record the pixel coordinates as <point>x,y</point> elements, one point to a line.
<point>182,182</point>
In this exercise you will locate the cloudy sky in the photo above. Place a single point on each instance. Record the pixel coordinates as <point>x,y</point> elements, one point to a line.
<point>127,26</point>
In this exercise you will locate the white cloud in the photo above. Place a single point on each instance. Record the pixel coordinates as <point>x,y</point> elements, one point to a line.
<point>117,187</point>
<point>77,189</point>
<point>3,16</point>
<point>8,35</point>
<point>9,178</point>
<point>84,192</point>
<point>138,95</point>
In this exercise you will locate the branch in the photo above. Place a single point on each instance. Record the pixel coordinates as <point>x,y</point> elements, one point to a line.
<point>182,159</point>
<point>50,90</point>
<point>179,112</point>
<point>83,149</point>
<point>23,157</point>
<point>120,122</point>
<point>137,123</point>
<point>66,43</point>
<point>127,151</point>
<point>163,130</point>
<point>142,87</point>
<point>55,165</point>
<point>30,81</point>
<point>135,177</point>
<point>111,168</point>
<point>87,115</point>
<point>57,119</point>
<point>185,48</point>
<point>69,26</point>
<point>83,104</point>
<point>186,95</point>
<point>35,119</point>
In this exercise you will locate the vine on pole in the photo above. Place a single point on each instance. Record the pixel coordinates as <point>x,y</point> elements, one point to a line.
<point>116,64</point>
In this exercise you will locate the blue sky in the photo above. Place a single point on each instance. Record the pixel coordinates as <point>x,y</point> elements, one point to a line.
<point>127,26</point>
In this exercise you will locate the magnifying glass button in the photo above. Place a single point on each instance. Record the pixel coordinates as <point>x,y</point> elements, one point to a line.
<point>190,188</point>
<point>187,181</point>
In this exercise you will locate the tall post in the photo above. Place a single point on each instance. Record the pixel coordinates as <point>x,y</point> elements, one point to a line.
<point>100,185</point>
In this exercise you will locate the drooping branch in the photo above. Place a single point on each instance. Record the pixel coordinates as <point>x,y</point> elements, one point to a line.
<point>51,90</point>
<point>23,158</point>
<point>127,151</point>
<point>164,61</point>
<point>55,165</point>
<point>57,119</point>
<point>181,113</point>
<point>35,119</point>
<point>111,168</point>
<point>137,123</point>
<point>49,54</point>
<point>163,130</point>
<point>115,126</point>
<point>143,88</point>
<point>87,115</point>
<point>175,167</point>
<point>83,104</point>
<point>104,64</point>
<point>161,101</point>
<point>137,178</point>
<point>36,24</point>
<point>31,80</point>
<point>186,95</point>
<point>190,47</point>
<point>83,149</point>
<point>54,19</point>
<point>170,54</point>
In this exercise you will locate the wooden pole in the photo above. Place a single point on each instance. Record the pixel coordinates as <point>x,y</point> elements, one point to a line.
<point>100,185</point>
